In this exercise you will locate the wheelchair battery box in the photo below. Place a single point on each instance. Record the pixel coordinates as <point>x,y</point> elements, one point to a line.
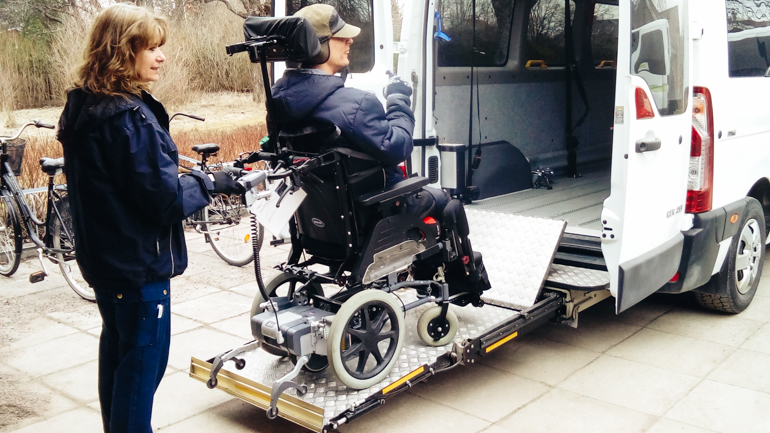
<point>295,324</point>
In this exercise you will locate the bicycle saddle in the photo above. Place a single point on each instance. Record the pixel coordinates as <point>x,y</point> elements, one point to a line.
<point>51,165</point>
<point>206,148</point>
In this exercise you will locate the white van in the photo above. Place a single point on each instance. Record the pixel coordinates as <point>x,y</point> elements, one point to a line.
<point>652,117</point>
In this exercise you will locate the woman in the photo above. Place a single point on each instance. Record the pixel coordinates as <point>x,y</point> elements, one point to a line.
<point>127,204</point>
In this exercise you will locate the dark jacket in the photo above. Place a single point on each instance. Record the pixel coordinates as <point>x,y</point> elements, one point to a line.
<point>312,94</point>
<point>126,197</point>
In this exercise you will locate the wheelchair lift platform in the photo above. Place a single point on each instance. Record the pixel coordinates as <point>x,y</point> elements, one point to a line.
<point>527,291</point>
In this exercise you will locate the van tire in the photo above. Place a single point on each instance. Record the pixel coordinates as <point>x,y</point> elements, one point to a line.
<point>745,244</point>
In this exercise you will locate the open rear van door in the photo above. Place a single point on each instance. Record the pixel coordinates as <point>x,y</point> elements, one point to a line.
<point>644,215</point>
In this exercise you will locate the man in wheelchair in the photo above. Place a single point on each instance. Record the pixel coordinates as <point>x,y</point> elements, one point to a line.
<point>376,231</point>
<point>314,92</point>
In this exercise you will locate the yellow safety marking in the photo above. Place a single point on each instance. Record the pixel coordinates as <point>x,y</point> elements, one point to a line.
<point>503,341</point>
<point>246,238</point>
<point>401,381</point>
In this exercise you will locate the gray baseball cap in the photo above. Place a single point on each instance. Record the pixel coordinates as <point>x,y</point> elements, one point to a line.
<point>327,22</point>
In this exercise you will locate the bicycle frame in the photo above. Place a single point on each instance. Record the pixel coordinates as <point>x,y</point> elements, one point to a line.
<point>30,220</point>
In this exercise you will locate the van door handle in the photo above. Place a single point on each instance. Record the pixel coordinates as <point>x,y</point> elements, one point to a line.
<point>646,145</point>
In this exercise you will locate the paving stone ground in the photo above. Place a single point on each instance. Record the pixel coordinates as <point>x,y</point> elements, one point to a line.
<point>664,366</point>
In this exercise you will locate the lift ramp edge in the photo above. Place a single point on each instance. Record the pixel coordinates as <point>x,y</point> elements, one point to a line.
<point>289,407</point>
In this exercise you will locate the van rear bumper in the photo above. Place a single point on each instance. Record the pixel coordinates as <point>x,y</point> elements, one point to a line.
<point>701,246</point>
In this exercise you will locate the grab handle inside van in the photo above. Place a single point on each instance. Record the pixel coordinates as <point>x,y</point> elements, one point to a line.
<point>646,145</point>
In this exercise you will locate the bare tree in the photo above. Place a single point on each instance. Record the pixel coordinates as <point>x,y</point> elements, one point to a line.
<point>546,20</point>
<point>245,8</point>
<point>397,12</point>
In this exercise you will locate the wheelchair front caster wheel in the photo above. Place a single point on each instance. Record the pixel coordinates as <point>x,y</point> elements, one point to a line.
<point>365,338</point>
<point>272,412</point>
<point>302,391</point>
<point>433,333</point>
<point>212,383</point>
<point>240,363</point>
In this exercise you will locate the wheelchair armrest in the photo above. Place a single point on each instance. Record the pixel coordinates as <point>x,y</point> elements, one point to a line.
<point>400,189</point>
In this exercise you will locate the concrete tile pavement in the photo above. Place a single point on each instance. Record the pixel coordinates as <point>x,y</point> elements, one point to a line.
<point>664,366</point>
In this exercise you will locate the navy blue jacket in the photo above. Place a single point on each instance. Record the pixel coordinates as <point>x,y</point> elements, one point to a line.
<point>126,197</point>
<point>313,94</point>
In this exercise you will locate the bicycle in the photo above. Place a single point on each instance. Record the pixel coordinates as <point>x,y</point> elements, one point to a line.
<point>224,222</point>
<point>220,221</point>
<point>58,242</point>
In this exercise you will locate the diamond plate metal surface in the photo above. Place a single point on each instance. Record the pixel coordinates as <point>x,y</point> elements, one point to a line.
<point>327,392</point>
<point>589,279</point>
<point>517,252</point>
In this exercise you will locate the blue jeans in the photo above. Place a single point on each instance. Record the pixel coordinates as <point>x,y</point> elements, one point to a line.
<point>133,354</point>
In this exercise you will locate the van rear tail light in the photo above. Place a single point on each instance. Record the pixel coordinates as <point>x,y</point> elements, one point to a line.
<point>643,105</point>
<point>701,170</point>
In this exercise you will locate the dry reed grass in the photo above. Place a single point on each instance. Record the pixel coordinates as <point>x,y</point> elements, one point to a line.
<point>231,142</point>
<point>37,71</point>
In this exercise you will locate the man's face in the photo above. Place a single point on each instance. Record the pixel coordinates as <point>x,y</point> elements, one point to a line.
<point>339,50</point>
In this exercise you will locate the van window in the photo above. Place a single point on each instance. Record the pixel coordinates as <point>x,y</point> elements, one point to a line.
<point>658,52</point>
<point>748,34</point>
<point>604,36</point>
<point>545,32</point>
<point>357,13</point>
<point>493,32</point>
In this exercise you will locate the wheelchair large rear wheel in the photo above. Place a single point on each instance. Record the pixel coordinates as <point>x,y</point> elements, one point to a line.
<point>365,338</point>
<point>284,284</point>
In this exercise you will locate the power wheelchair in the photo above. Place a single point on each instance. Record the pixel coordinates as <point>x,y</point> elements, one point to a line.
<point>353,234</point>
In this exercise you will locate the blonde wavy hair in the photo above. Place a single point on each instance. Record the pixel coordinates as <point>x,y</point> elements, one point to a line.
<point>117,35</point>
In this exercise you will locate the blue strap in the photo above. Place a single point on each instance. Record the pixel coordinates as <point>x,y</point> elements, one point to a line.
<point>439,34</point>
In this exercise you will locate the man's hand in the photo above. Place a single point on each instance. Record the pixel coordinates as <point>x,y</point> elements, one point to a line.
<point>397,85</point>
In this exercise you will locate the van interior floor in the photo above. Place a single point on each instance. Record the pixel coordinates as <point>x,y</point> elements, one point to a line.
<point>578,201</point>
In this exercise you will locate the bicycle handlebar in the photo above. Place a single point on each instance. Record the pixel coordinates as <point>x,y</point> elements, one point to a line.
<point>202,119</point>
<point>35,123</point>
<point>234,171</point>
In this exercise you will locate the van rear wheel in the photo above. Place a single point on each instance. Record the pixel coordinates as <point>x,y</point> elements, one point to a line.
<point>742,268</point>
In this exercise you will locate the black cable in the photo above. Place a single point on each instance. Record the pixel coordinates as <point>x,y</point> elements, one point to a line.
<point>257,237</point>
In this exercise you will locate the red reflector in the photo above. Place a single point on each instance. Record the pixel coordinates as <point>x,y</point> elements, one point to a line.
<point>402,166</point>
<point>429,220</point>
<point>696,146</point>
<point>643,105</point>
<point>247,168</point>
<point>698,201</point>
<point>675,278</point>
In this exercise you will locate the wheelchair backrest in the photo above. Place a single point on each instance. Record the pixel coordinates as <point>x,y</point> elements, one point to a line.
<point>329,221</point>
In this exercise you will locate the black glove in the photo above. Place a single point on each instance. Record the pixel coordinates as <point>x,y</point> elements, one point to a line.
<point>224,184</point>
<point>397,85</point>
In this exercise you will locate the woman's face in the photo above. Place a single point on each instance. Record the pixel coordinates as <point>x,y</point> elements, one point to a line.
<point>148,62</point>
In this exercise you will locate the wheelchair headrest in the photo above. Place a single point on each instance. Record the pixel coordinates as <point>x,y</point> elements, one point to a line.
<point>293,39</point>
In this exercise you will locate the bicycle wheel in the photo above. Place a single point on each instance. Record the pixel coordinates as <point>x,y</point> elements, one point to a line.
<point>10,237</point>
<point>228,230</point>
<point>65,240</point>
